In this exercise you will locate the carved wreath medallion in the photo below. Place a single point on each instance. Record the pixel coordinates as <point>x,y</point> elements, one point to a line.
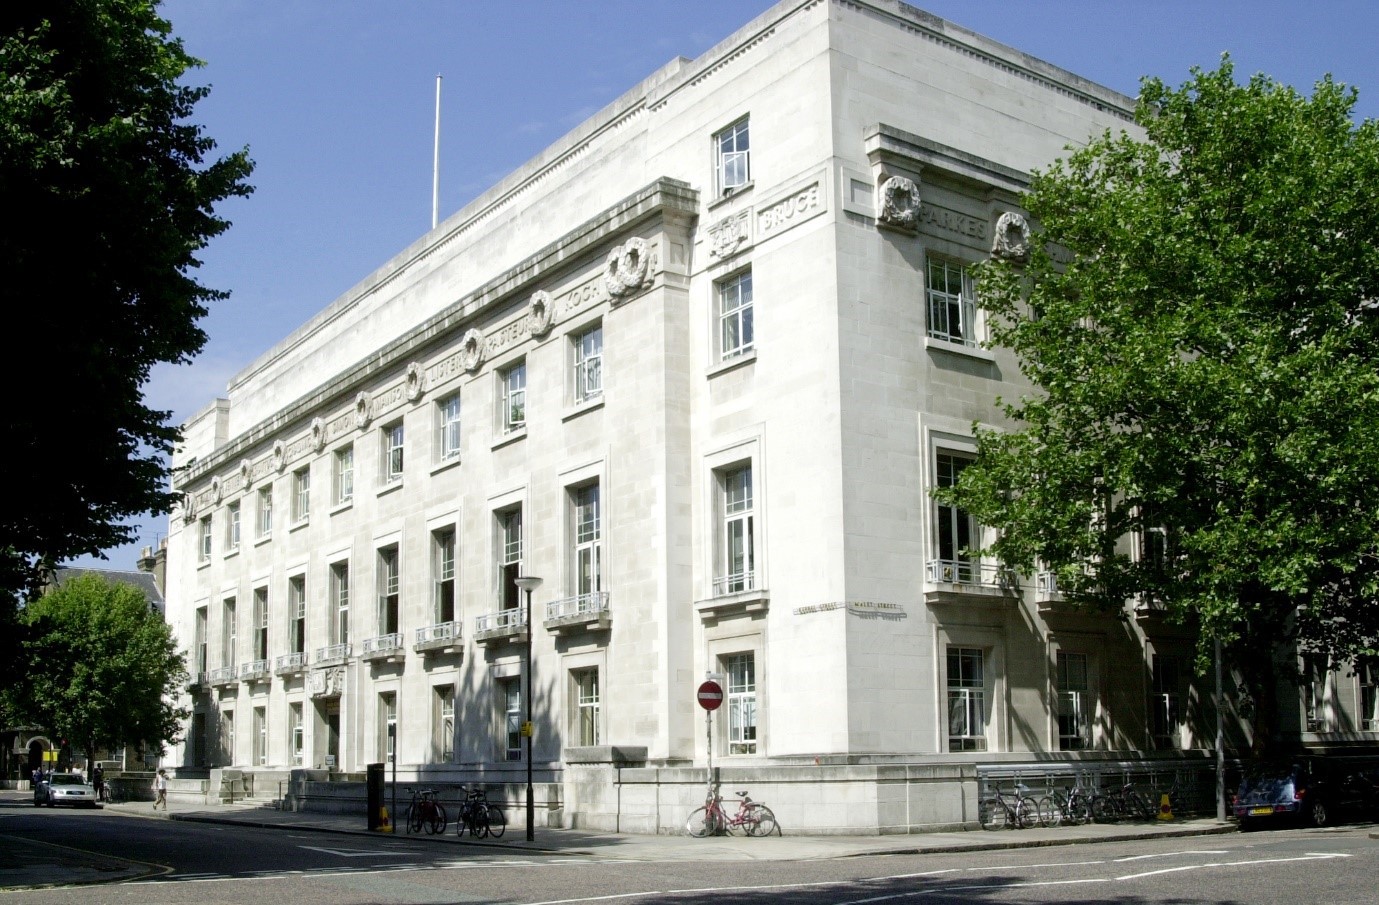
<point>897,203</point>
<point>1012,237</point>
<point>215,489</point>
<point>246,473</point>
<point>626,268</point>
<point>472,350</point>
<point>539,313</point>
<point>318,434</point>
<point>416,381</point>
<point>279,455</point>
<point>363,410</point>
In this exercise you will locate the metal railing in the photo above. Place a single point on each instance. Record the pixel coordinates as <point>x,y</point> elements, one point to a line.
<point>1046,585</point>
<point>254,669</point>
<point>292,661</point>
<point>513,618</point>
<point>441,631</point>
<point>578,605</point>
<point>736,583</point>
<point>331,652</point>
<point>970,571</point>
<point>383,644</point>
<point>222,674</point>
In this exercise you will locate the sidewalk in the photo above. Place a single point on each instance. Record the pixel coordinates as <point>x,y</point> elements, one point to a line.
<point>681,847</point>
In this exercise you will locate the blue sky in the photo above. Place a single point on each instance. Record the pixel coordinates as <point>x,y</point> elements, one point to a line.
<point>335,100</point>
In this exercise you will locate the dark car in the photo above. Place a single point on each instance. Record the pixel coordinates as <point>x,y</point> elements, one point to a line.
<point>64,788</point>
<point>1314,790</point>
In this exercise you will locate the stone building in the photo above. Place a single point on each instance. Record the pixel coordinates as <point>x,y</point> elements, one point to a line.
<point>697,367</point>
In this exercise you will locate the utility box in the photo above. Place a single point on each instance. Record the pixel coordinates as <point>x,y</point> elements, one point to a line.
<point>373,778</point>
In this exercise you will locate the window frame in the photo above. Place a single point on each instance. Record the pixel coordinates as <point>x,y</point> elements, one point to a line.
<point>448,428</point>
<point>586,533</point>
<point>955,529</point>
<point>587,349</point>
<point>301,494</point>
<point>509,703</point>
<point>1076,704</point>
<point>296,734</point>
<point>735,289</point>
<point>260,640</point>
<point>342,474</point>
<point>740,703</point>
<point>942,304</point>
<point>264,512</point>
<point>207,539</point>
<point>968,691</point>
<point>443,575</point>
<point>443,723</point>
<point>389,565</point>
<point>229,632</point>
<point>732,157</point>
<point>340,602</point>
<point>393,439</point>
<point>737,540</point>
<point>232,533</point>
<point>510,544</point>
<point>512,399</point>
<point>296,614</point>
<point>586,699</point>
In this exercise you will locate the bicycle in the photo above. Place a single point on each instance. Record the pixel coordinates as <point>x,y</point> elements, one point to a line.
<point>427,812</point>
<point>473,814</point>
<point>1073,805</point>
<point>1116,804</point>
<point>753,817</point>
<point>1019,810</point>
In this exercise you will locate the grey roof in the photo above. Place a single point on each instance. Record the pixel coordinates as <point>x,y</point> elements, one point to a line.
<point>141,580</point>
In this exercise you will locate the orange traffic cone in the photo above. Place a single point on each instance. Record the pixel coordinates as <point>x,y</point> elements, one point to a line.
<point>1165,809</point>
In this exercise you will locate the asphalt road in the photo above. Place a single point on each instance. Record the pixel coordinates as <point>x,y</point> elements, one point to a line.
<point>208,864</point>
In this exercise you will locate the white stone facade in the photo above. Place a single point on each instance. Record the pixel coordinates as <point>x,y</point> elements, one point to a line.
<point>730,476</point>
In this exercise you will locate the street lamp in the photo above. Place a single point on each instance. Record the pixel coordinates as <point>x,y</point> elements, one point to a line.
<point>528,583</point>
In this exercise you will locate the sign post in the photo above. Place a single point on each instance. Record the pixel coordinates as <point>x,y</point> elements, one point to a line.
<point>710,697</point>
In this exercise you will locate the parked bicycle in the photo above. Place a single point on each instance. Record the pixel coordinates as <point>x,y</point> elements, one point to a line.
<point>426,812</point>
<point>1018,809</point>
<point>473,814</point>
<point>1072,805</point>
<point>1121,803</point>
<point>753,817</point>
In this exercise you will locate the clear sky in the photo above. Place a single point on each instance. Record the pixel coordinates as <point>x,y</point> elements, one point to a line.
<point>335,100</point>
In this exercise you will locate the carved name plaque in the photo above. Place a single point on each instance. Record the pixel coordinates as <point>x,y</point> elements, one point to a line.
<point>790,211</point>
<point>952,221</point>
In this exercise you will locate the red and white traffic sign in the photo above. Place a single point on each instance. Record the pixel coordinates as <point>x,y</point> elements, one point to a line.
<point>710,695</point>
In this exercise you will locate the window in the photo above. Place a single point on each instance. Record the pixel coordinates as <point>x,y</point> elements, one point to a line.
<point>733,159</point>
<point>198,739</point>
<point>1314,673</point>
<point>737,569</point>
<point>514,397</point>
<point>742,703</point>
<point>1164,709</point>
<point>586,689</point>
<point>443,568</point>
<point>955,529</point>
<point>265,511</point>
<point>392,453</point>
<point>232,527</point>
<point>227,615</point>
<point>1369,695</point>
<point>260,736</point>
<point>206,539</point>
<point>260,624</point>
<point>966,699</point>
<point>952,302</point>
<point>510,699</point>
<point>1074,702</point>
<point>387,591</point>
<point>387,726</point>
<point>294,733</point>
<point>443,744</point>
<point>227,737</point>
<point>589,364</point>
<point>588,552</point>
<point>343,474</point>
<point>301,494</point>
<point>340,598</point>
<point>201,619</point>
<point>296,613</point>
<point>448,439</point>
<point>736,335</point>
<point>509,557</point>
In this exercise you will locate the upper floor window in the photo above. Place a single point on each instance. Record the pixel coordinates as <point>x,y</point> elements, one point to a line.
<point>301,494</point>
<point>733,157</point>
<point>392,453</point>
<point>588,551</point>
<point>228,632</point>
<point>1368,671</point>
<point>205,526</point>
<point>589,364</point>
<point>232,527</point>
<point>514,397</point>
<point>388,590</point>
<point>340,603</point>
<point>343,474</point>
<point>509,557</point>
<point>443,570</point>
<point>202,665</point>
<point>736,335</point>
<point>296,613</point>
<point>448,428</point>
<point>955,530</point>
<point>265,511</point>
<point>260,623</point>
<point>952,302</point>
<point>737,545</point>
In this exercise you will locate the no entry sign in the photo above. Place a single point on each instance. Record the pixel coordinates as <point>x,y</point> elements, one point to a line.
<point>710,695</point>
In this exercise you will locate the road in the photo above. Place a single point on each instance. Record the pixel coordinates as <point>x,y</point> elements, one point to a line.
<point>208,864</point>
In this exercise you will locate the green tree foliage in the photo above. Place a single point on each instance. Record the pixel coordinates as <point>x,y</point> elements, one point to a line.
<point>1200,330</point>
<point>101,668</point>
<point>108,196</point>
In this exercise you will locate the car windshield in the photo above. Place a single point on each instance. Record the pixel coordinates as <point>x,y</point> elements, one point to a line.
<point>65,779</point>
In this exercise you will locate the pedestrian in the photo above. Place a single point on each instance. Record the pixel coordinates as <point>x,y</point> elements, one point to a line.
<point>98,781</point>
<point>160,789</point>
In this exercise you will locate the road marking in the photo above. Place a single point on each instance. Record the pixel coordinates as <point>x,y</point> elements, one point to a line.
<point>354,852</point>
<point>1173,854</point>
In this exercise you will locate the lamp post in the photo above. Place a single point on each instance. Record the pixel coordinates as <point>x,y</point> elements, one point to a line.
<point>527,584</point>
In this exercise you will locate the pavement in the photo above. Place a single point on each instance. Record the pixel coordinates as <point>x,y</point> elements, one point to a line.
<point>28,863</point>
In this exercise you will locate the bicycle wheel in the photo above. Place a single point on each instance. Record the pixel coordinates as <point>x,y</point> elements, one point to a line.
<point>462,820</point>
<point>414,819</point>
<point>1026,813</point>
<point>702,822</point>
<point>991,814</point>
<point>497,820</point>
<point>1140,807</point>
<point>763,822</point>
<point>1102,809</point>
<point>438,821</point>
<point>1050,814</point>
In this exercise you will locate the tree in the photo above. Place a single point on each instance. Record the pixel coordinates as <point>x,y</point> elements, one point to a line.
<point>109,196</point>
<point>1199,326</point>
<point>101,667</point>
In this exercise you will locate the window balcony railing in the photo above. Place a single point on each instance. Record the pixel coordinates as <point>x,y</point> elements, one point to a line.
<point>441,637</point>
<point>223,675</point>
<point>736,583</point>
<point>253,671</point>
<point>971,572</point>
<point>587,611</point>
<point>504,624</point>
<point>1046,586</point>
<point>290,664</point>
<point>331,655</point>
<point>383,647</point>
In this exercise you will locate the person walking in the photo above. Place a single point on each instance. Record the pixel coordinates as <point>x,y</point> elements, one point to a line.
<point>98,782</point>
<point>160,789</point>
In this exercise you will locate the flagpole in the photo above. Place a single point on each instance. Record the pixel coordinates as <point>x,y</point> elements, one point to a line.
<point>436,160</point>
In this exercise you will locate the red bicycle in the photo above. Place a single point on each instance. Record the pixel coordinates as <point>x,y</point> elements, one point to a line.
<point>711,820</point>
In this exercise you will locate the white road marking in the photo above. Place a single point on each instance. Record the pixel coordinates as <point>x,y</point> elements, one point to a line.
<point>353,853</point>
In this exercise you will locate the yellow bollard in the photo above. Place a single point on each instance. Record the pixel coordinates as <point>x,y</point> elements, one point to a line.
<point>1165,809</point>
<point>385,825</point>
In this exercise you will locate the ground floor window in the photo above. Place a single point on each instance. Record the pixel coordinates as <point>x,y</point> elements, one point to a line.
<point>387,726</point>
<point>741,703</point>
<point>1369,696</point>
<point>294,733</point>
<point>260,736</point>
<point>227,738</point>
<point>1165,707</point>
<point>586,694</point>
<point>1074,703</point>
<point>966,699</point>
<point>444,721</point>
<point>510,700</point>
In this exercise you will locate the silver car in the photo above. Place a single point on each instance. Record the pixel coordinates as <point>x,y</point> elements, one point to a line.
<point>65,788</point>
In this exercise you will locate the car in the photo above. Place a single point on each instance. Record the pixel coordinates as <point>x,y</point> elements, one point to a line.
<point>1307,789</point>
<point>66,789</point>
